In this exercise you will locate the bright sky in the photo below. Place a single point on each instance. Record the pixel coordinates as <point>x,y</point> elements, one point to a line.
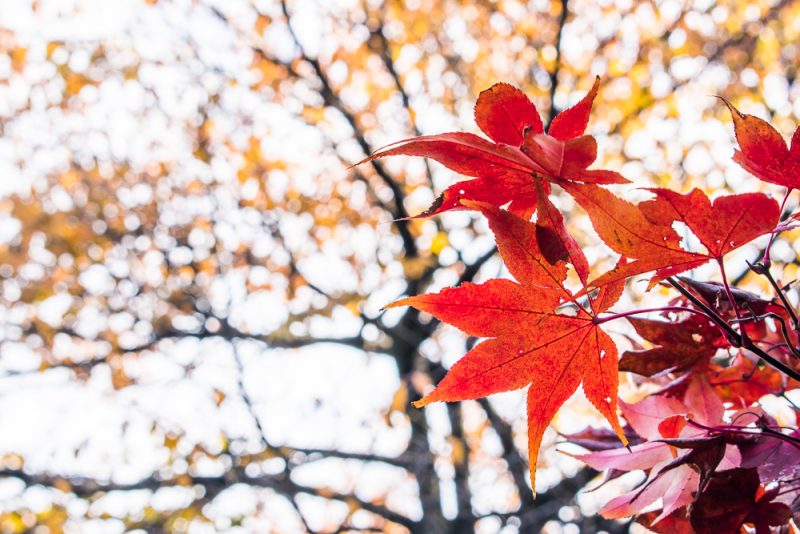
<point>325,396</point>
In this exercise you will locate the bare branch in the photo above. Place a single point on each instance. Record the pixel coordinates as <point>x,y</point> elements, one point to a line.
<point>87,488</point>
<point>562,20</point>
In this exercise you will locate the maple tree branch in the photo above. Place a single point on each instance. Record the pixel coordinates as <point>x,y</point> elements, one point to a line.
<point>333,100</point>
<point>734,336</point>
<point>784,329</point>
<point>713,315</point>
<point>460,460</point>
<point>562,20</point>
<point>226,332</point>
<point>764,271</point>
<point>517,466</point>
<point>533,518</point>
<point>384,53</point>
<point>245,395</point>
<point>422,467</point>
<point>473,268</point>
<point>283,485</point>
<point>316,454</point>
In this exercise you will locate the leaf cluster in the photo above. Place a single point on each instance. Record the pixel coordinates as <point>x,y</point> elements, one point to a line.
<point>715,460</point>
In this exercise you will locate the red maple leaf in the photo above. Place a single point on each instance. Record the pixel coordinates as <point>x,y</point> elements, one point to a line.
<point>763,152</point>
<point>506,169</point>
<point>529,342</point>
<point>644,234</point>
<point>744,382</point>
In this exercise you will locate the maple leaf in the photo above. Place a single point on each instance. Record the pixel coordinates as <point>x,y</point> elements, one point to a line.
<point>601,439</point>
<point>644,234</point>
<point>674,486</point>
<point>507,169</point>
<point>674,478</point>
<point>722,226</point>
<point>554,240</point>
<point>678,345</point>
<point>734,498</point>
<point>716,296</point>
<point>763,152</point>
<point>743,382</point>
<point>626,229</point>
<point>675,523</point>
<point>529,343</point>
<point>775,459</point>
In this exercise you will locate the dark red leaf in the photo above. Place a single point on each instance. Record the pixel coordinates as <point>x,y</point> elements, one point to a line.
<point>679,345</point>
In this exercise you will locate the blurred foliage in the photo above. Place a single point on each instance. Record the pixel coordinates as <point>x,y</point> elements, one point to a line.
<point>184,177</point>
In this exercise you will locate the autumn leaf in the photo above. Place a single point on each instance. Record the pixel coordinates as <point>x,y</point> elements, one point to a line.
<point>567,160</point>
<point>763,152</point>
<point>504,113</point>
<point>507,170</point>
<point>644,232</point>
<point>626,229</point>
<point>674,523</point>
<point>722,226</point>
<point>664,423</point>
<point>678,346</point>
<point>731,500</point>
<point>716,296</point>
<point>775,459</point>
<point>572,122</point>
<point>554,240</point>
<point>647,415</point>
<point>529,343</point>
<point>674,487</point>
<point>601,439</point>
<point>743,382</point>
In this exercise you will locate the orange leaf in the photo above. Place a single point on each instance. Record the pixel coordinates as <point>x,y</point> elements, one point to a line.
<point>730,222</point>
<point>554,239</point>
<point>530,342</point>
<point>519,247</point>
<point>644,233</point>
<point>678,345</point>
<point>625,228</point>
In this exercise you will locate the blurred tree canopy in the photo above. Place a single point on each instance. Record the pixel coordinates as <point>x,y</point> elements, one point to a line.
<point>193,274</point>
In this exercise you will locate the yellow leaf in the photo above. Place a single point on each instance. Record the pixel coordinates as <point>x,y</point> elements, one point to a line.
<point>439,242</point>
<point>18,55</point>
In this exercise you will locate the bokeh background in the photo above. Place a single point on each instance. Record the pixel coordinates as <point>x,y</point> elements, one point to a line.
<point>192,275</point>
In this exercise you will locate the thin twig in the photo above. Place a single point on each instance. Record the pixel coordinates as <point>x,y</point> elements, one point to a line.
<point>733,335</point>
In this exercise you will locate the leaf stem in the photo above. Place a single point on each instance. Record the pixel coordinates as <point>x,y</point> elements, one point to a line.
<point>601,320</point>
<point>729,293</point>
<point>785,331</point>
<point>767,261</point>
<point>744,430</point>
<point>733,335</point>
<point>764,270</point>
<point>730,333</point>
